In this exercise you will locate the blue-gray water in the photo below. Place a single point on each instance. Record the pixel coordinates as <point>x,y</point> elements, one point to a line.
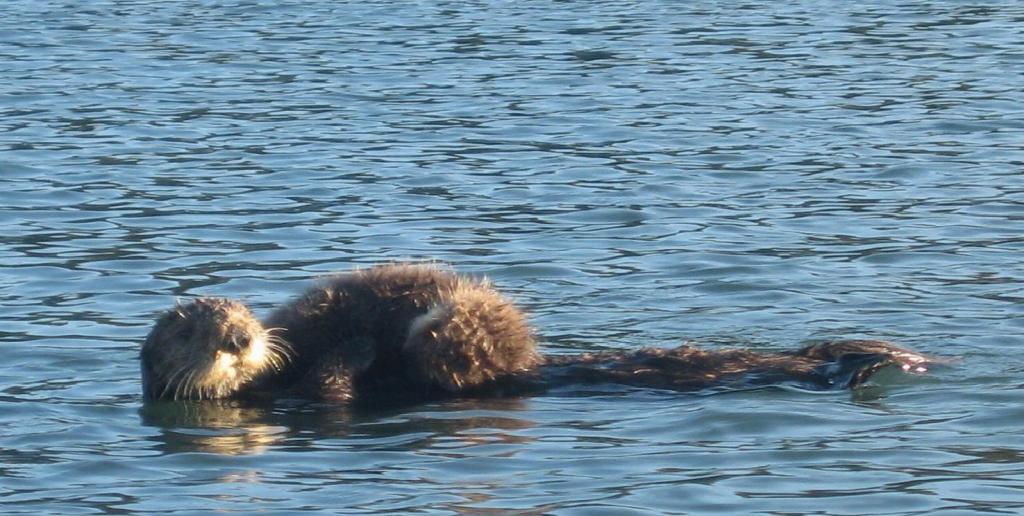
<point>633,173</point>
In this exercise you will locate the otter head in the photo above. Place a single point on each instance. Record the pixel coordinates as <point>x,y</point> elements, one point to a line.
<point>209,348</point>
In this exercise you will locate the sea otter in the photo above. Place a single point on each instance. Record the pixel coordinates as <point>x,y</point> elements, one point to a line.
<point>410,332</point>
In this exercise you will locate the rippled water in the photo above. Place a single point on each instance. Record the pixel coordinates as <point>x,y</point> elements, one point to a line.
<point>634,173</point>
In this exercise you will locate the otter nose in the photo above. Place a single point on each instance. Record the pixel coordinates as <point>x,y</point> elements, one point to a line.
<point>236,341</point>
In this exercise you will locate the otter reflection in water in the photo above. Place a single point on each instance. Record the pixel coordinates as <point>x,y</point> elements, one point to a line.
<point>412,332</point>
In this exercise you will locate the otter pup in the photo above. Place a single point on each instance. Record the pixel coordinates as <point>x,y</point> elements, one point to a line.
<point>402,333</point>
<point>402,330</point>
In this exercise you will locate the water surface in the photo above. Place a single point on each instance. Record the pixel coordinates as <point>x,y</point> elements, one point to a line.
<point>632,173</point>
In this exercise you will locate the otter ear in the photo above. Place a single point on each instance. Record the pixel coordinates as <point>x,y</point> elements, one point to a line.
<point>180,307</point>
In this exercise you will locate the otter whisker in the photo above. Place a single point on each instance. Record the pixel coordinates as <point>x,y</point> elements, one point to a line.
<point>190,383</point>
<point>163,393</point>
<point>277,357</point>
<point>187,385</point>
<point>168,382</point>
<point>195,390</point>
<point>174,378</point>
<point>272,362</point>
<point>278,352</point>
<point>179,385</point>
<point>279,345</point>
<point>281,351</point>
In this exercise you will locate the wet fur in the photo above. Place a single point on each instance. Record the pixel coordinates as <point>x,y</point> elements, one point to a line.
<point>402,333</point>
<point>210,348</point>
<point>828,365</point>
<point>403,329</point>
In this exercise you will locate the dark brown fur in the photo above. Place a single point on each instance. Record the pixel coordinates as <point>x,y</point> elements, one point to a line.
<point>829,365</point>
<point>404,330</point>
<point>399,330</point>
<point>401,333</point>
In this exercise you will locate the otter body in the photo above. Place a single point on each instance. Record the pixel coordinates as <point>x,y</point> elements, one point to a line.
<point>403,333</point>
<point>406,330</point>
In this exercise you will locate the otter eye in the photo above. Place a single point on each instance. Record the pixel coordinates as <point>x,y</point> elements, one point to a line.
<point>236,340</point>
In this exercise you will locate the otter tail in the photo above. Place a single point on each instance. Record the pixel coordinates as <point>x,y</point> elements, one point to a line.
<point>850,363</point>
<point>471,335</point>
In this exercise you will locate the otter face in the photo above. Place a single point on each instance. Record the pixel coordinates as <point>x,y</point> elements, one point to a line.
<point>209,348</point>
